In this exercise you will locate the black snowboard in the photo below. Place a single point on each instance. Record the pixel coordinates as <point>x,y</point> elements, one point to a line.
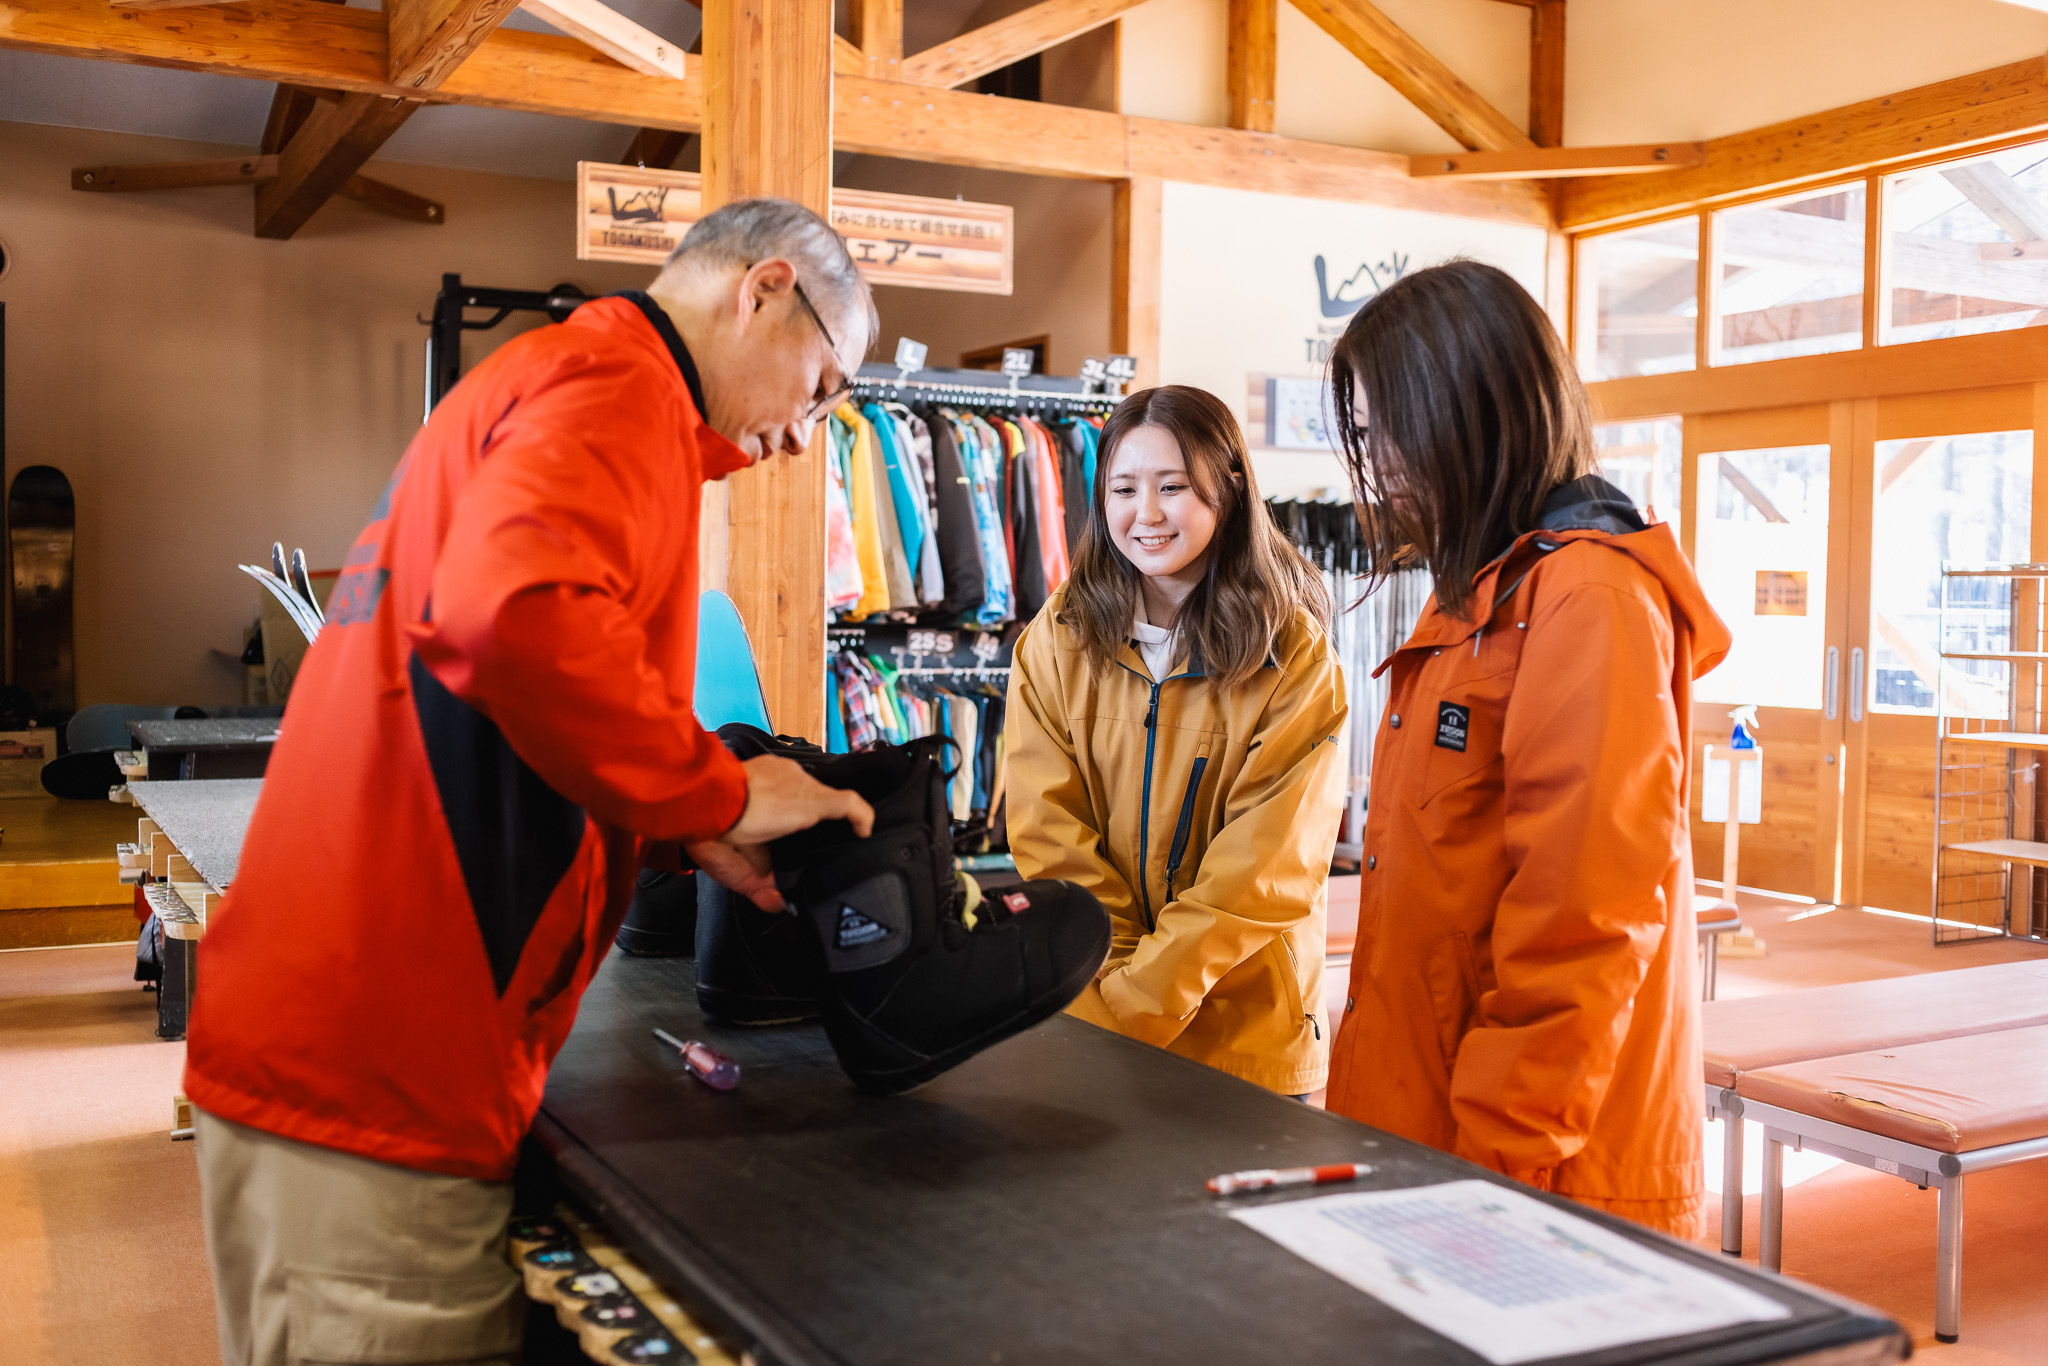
<point>40,537</point>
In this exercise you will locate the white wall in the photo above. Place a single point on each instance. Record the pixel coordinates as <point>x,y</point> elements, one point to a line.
<point>1239,293</point>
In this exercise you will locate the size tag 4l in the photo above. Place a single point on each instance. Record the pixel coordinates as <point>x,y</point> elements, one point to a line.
<point>1453,725</point>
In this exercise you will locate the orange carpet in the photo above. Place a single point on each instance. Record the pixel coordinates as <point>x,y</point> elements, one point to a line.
<point>99,1209</point>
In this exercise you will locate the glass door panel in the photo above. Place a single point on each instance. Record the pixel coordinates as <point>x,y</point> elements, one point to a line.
<point>1762,556</point>
<point>1643,460</point>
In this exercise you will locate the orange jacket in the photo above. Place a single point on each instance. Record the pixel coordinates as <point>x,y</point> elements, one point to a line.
<point>1523,992</point>
<point>497,712</point>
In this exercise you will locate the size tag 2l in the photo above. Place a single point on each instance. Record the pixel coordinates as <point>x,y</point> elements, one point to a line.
<point>1453,725</point>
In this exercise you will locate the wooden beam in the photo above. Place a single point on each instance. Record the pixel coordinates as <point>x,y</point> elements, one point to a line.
<point>430,38</point>
<point>1546,72</point>
<point>175,175</point>
<point>163,4</point>
<point>1836,144</point>
<point>342,48</point>
<point>1253,61</point>
<point>994,46</point>
<point>1538,163</point>
<point>768,97</point>
<point>324,155</point>
<point>878,33</point>
<point>382,195</point>
<point>612,33</point>
<point>289,106</point>
<point>848,60</point>
<point>2002,199</point>
<point>1422,80</point>
<point>1134,275</point>
<point>655,147</point>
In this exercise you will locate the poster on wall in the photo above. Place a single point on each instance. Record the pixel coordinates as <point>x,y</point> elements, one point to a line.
<point>637,214</point>
<point>1255,290</point>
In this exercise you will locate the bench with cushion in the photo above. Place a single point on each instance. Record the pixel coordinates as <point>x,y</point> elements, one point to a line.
<point>1930,1112</point>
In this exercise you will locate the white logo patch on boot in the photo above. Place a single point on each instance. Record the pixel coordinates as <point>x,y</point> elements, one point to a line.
<point>856,929</point>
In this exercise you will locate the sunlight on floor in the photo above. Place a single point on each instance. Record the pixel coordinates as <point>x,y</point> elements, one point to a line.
<point>1798,1166</point>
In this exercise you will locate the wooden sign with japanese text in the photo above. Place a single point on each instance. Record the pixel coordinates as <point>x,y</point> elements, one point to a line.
<point>632,213</point>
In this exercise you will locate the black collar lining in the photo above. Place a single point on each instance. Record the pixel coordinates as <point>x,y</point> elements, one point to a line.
<point>656,315</point>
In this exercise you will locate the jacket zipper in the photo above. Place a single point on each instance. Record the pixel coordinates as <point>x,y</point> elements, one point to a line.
<point>1181,827</point>
<point>1145,810</point>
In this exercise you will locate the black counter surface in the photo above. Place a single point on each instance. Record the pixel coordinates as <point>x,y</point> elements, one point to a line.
<point>1042,1203</point>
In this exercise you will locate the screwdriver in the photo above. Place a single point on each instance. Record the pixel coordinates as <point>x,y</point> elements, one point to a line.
<point>703,1062</point>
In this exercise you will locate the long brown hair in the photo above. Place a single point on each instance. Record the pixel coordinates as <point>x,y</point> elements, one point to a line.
<point>1474,415</point>
<point>1255,581</point>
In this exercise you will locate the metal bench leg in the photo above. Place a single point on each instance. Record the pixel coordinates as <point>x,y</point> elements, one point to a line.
<point>1731,1184</point>
<point>1772,1237</point>
<point>1713,966</point>
<point>1948,1262</point>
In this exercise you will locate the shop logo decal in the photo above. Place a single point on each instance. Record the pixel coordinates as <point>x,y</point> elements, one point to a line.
<point>1377,278</point>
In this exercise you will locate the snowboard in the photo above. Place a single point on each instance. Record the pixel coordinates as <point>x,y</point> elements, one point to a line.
<point>728,684</point>
<point>41,535</point>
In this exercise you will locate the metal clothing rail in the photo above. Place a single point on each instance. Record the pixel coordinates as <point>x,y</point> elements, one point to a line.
<point>983,389</point>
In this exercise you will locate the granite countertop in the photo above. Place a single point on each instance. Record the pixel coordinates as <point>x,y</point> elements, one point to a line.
<point>205,818</point>
<point>227,732</point>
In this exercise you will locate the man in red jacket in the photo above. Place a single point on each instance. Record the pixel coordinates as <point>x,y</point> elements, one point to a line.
<point>493,727</point>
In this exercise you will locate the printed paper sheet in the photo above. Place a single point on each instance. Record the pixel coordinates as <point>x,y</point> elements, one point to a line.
<point>1504,1274</point>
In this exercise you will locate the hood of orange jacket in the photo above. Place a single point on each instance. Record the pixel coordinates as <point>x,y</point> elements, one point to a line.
<point>1523,992</point>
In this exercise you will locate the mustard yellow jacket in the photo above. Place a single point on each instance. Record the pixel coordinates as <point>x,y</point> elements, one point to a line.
<point>1204,823</point>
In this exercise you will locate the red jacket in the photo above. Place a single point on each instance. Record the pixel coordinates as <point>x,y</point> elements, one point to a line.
<point>495,718</point>
<point>1523,991</point>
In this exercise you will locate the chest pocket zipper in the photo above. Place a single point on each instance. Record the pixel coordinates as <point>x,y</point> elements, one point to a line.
<point>1184,825</point>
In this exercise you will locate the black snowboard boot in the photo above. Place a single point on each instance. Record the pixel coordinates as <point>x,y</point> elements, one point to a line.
<point>757,967</point>
<point>922,972</point>
<point>662,921</point>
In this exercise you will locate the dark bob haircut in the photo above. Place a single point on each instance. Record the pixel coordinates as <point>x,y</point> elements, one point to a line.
<point>1474,414</point>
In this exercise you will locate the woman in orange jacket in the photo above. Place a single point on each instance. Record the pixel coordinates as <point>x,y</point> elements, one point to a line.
<point>1523,990</point>
<point>1172,747</point>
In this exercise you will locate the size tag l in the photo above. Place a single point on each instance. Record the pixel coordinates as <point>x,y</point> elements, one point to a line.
<point>1453,724</point>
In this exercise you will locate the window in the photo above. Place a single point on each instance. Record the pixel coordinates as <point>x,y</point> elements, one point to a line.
<point>1642,459</point>
<point>1642,286</point>
<point>1946,499</point>
<point>1967,247</point>
<point>1791,277</point>
<point>1763,559</point>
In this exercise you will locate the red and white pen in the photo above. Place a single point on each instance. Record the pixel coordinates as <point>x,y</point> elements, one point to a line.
<point>1266,1178</point>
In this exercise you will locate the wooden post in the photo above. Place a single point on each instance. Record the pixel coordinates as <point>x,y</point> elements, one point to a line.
<point>1253,60</point>
<point>1546,73</point>
<point>768,131</point>
<point>1134,267</point>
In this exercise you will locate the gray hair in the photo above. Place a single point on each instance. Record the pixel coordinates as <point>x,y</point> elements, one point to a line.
<point>750,230</point>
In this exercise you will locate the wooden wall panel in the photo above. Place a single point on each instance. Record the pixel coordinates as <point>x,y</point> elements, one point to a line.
<point>1898,823</point>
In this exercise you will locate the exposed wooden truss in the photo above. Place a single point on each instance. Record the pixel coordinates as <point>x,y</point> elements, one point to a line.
<point>1546,72</point>
<point>342,48</point>
<point>428,39</point>
<point>994,46</point>
<point>1252,73</point>
<point>1410,68</point>
<point>1946,116</point>
<point>323,156</point>
<point>260,169</point>
<point>878,33</point>
<point>612,33</point>
<point>1537,163</point>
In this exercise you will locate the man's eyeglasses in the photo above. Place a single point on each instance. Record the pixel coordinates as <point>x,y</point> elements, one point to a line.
<point>825,403</point>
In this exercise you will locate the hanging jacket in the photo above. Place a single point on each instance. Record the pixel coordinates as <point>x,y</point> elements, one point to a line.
<point>1203,821</point>
<point>495,717</point>
<point>844,587</point>
<point>1077,488</point>
<point>977,451</point>
<point>1028,551</point>
<point>1523,992</point>
<point>959,540</point>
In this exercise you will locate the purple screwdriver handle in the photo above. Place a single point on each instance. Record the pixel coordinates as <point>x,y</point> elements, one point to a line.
<point>703,1062</point>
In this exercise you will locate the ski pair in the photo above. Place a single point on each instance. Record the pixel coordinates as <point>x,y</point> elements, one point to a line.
<point>912,969</point>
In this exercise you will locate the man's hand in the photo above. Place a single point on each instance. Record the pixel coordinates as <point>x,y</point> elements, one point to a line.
<point>744,868</point>
<point>781,800</point>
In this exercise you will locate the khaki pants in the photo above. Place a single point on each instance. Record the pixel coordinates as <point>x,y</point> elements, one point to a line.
<point>320,1256</point>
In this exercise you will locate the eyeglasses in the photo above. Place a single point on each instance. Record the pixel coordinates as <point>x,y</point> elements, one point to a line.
<point>827,402</point>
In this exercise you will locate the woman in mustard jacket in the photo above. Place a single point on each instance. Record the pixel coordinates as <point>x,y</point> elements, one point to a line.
<point>1172,746</point>
<point>1522,992</point>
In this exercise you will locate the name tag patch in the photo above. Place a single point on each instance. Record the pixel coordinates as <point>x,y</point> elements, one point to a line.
<point>1453,724</point>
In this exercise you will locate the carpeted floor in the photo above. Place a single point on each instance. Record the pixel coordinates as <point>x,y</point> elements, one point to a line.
<point>99,1210</point>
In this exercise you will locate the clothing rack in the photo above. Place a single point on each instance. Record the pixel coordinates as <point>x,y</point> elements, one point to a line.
<point>1047,394</point>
